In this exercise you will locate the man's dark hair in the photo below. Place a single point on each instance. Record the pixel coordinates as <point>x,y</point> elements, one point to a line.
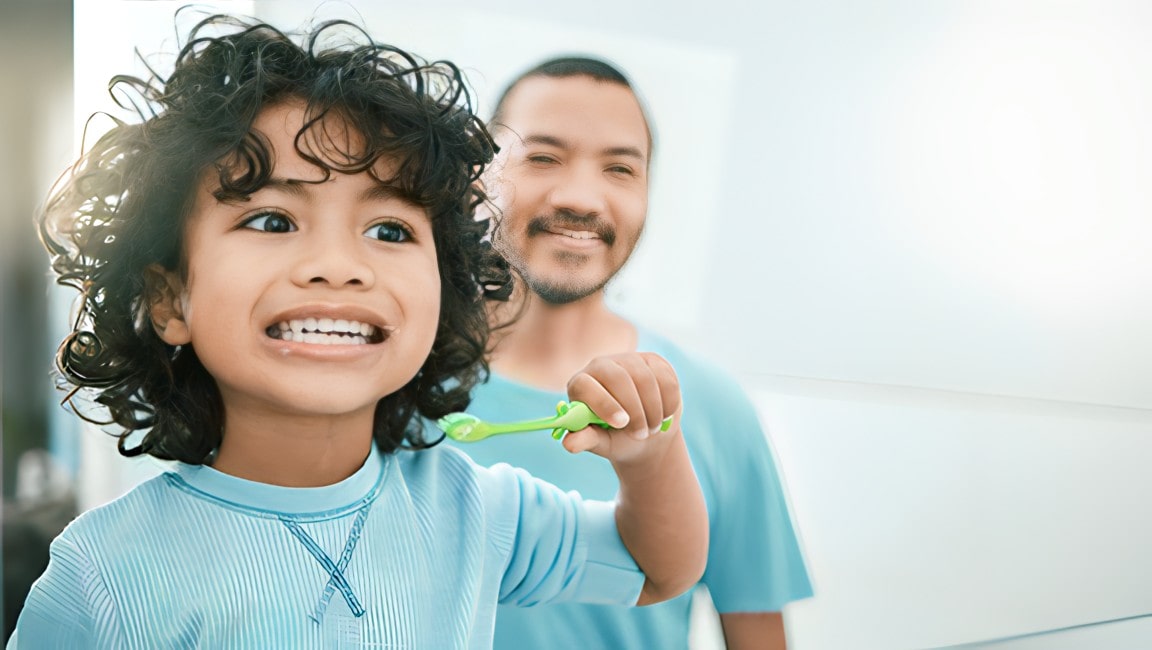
<point>572,66</point>
<point>123,206</point>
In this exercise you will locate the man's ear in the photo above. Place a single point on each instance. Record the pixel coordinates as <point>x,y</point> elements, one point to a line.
<point>164,290</point>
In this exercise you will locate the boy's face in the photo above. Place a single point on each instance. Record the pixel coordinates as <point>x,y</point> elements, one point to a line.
<point>308,298</point>
<point>572,183</point>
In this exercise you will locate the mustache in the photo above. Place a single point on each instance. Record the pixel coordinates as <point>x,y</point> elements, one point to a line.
<point>570,220</point>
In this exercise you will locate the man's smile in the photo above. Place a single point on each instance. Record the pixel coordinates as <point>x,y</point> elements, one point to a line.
<point>576,228</point>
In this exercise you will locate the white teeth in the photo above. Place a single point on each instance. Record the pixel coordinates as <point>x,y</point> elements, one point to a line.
<point>577,234</point>
<point>323,331</point>
<point>318,338</point>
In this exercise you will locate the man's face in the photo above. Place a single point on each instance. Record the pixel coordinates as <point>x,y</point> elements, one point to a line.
<point>571,181</point>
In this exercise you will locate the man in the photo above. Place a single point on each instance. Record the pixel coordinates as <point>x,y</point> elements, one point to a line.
<point>571,188</point>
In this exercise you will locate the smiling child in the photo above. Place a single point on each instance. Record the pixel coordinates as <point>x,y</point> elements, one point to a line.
<point>281,269</point>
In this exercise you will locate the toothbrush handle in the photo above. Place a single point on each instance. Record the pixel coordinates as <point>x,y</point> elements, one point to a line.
<point>496,428</point>
<point>570,416</point>
<point>579,415</point>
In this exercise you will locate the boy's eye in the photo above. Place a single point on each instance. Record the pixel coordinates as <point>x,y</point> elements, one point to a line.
<point>389,231</point>
<point>620,169</point>
<point>269,222</point>
<point>541,159</point>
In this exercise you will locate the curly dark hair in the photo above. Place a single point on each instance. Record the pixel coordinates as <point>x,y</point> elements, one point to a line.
<point>565,67</point>
<point>123,205</point>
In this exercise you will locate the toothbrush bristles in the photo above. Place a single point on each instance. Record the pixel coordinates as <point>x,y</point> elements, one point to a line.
<point>457,426</point>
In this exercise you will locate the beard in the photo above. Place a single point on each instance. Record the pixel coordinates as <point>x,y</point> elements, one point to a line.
<point>570,287</point>
<point>561,292</point>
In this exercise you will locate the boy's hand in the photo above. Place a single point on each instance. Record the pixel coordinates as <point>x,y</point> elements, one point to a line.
<point>660,511</point>
<point>633,392</point>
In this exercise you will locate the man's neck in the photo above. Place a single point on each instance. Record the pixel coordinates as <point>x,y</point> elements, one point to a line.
<point>550,343</point>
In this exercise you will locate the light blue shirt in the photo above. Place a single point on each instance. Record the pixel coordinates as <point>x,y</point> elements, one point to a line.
<point>754,560</point>
<point>412,551</point>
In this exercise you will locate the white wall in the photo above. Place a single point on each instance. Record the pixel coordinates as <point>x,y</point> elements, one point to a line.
<point>918,232</point>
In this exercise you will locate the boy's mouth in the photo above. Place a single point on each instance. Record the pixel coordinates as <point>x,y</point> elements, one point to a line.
<point>327,331</point>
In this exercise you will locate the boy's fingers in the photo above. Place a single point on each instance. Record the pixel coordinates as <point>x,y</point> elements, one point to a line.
<point>587,439</point>
<point>645,383</point>
<point>669,383</point>
<point>598,386</point>
<point>631,392</point>
<point>618,375</point>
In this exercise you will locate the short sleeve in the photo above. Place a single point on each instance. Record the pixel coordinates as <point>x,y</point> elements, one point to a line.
<point>754,558</point>
<point>560,548</point>
<point>60,609</point>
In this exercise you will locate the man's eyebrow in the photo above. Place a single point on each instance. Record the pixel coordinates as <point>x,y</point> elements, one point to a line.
<point>549,140</point>
<point>630,152</point>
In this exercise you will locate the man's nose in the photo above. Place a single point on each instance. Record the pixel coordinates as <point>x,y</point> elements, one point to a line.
<point>581,191</point>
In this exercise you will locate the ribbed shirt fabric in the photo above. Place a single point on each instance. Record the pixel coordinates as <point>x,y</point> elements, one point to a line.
<point>414,550</point>
<point>754,558</point>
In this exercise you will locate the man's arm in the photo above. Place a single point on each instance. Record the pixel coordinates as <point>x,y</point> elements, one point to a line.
<point>755,565</point>
<point>660,513</point>
<point>754,631</point>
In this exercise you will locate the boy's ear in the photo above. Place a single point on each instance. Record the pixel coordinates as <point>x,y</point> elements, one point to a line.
<point>164,291</point>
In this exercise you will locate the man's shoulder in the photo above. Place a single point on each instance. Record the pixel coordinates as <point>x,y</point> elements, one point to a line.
<point>720,418</point>
<point>697,374</point>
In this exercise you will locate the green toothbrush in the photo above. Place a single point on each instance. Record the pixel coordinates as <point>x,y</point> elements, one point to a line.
<point>570,416</point>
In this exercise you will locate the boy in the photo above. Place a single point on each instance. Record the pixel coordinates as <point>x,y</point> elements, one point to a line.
<point>280,267</point>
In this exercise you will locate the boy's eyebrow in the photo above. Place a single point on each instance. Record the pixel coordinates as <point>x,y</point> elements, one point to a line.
<point>290,186</point>
<point>384,192</point>
<point>377,192</point>
<point>553,141</point>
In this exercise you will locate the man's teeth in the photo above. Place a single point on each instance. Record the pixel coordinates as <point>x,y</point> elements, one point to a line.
<point>577,234</point>
<point>324,331</point>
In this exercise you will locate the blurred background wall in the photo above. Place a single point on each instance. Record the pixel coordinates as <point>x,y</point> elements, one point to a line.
<point>917,232</point>
<point>36,137</point>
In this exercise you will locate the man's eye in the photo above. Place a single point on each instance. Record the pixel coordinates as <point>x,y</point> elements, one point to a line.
<point>269,222</point>
<point>389,231</point>
<point>546,160</point>
<point>621,169</point>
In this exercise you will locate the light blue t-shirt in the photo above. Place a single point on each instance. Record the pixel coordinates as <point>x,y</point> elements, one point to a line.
<point>412,551</point>
<point>754,561</point>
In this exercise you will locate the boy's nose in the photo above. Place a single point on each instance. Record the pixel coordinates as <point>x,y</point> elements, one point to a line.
<point>336,262</point>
